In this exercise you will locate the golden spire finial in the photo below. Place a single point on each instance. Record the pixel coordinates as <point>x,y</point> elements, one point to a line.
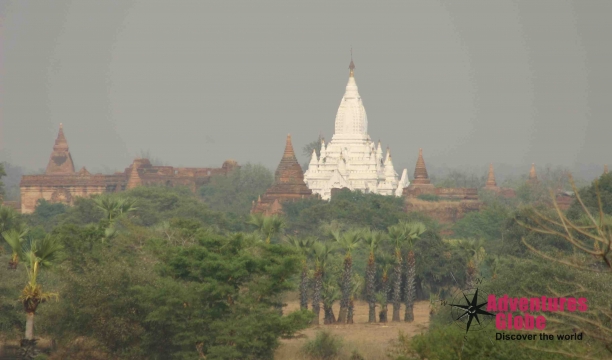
<point>352,65</point>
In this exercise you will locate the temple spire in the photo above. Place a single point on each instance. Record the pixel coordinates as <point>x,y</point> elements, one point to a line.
<point>420,171</point>
<point>60,161</point>
<point>289,170</point>
<point>61,144</point>
<point>491,183</point>
<point>532,172</point>
<point>605,169</point>
<point>533,177</point>
<point>421,178</point>
<point>289,153</point>
<point>352,66</point>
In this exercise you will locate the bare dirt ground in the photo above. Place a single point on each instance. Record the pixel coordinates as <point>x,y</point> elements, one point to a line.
<point>370,340</point>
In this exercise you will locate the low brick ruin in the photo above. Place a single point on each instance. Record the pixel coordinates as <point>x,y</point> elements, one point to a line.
<point>62,184</point>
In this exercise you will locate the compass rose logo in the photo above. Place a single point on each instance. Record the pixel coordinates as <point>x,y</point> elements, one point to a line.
<point>467,306</point>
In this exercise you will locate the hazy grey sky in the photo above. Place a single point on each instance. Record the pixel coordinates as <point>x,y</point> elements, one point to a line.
<point>198,82</point>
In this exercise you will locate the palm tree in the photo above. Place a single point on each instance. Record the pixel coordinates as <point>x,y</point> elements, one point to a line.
<point>413,230</point>
<point>42,255</point>
<point>386,262</point>
<point>302,245</point>
<point>372,239</point>
<point>14,237</point>
<point>474,253</point>
<point>398,235</point>
<point>492,263</point>
<point>321,254</point>
<point>268,226</point>
<point>114,206</point>
<point>382,300</point>
<point>356,287</point>
<point>8,218</point>
<point>330,295</point>
<point>349,241</point>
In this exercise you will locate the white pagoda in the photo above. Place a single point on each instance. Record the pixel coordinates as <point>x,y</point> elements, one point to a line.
<point>351,159</point>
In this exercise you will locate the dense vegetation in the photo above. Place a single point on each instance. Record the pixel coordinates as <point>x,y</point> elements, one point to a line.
<point>161,273</point>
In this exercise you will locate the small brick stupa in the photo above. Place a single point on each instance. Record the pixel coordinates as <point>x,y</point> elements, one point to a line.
<point>421,183</point>
<point>421,178</point>
<point>288,184</point>
<point>491,184</point>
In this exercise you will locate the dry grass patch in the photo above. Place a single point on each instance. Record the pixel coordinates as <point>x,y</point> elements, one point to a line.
<point>370,340</point>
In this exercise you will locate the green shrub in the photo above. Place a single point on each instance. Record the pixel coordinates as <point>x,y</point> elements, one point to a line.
<point>325,346</point>
<point>429,197</point>
<point>355,355</point>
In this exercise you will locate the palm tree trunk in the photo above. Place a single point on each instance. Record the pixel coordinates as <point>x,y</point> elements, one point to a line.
<point>346,289</point>
<point>397,288</point>
<point>304,289</point>
<point>351,311</point>
<point>384,309</point>
<point>410,287</point>
<point>470,273</point>
<point>316,296</point>
<point>328,314</point>
<point>29,332</point>
<point>370,288</point>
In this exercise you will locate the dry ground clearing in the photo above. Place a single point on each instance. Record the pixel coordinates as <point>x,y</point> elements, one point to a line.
<point>371,340</point>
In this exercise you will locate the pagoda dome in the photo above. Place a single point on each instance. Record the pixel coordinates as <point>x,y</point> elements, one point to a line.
<point>351,119</point>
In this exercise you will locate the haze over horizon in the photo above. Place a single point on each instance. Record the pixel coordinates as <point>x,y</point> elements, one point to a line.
<point>196,83</point>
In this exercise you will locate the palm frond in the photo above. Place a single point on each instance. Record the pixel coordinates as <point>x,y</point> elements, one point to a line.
<point>15,239</point>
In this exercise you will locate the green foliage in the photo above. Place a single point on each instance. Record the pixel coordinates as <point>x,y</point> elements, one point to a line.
<point>447,343</point>
<point>46,210</point>
<point>267,226</point>
<point>11,181</point>
<point>157,203</point>
<point>355,355</point>
<point>206,283</point>
<point>47,215</point>
<point>216,295</point>
<point>308,148</point>
<point>9,218</point>
<point>325,346</point>
<point>517,278</point>
<point>352,208</point>
<point>100,302</point>
<point>487,223</point>
<point>459,179</point>
<point>589,197</point>
<point>80,243</point>
<point>530,193</point>
<point>429,197</point>
<point>234,193</point>
<point>2,174</point>
<point>83,212</point>
<point>12,323</point>
<point>314,145</point>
